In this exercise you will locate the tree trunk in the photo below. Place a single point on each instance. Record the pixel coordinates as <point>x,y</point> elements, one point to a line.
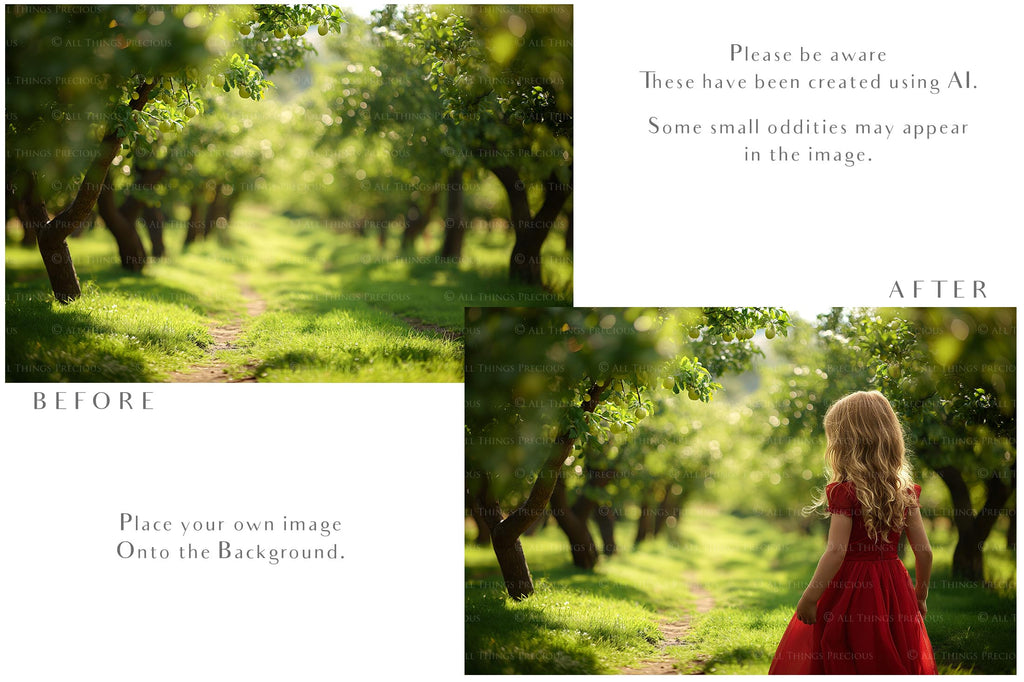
<point>132,209</point>
<point>230,203</point>
<point>52,236</point>
<point>568,233</point>
<point>514,568</point>
<point>505,532</point>
<point>664,511</point>
<point>30,220</point>
<point>416,221</point>
<point>129,244</point>
<point>507,548</point>
<point>217,215</point>
<point>531,230</point>
<point>604,516</point>
<point>972,530</point>
<point>153,218</point>
<point>455,218</point>
<point>53,247</point>
<point>483,534</point>
<point>539,524</point>
<point>196,224</point>
<point>644,525</point>
<point>581,542</point>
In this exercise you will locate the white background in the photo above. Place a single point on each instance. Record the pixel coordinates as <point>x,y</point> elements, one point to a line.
<point>660,220</point>
<point>672,220</point>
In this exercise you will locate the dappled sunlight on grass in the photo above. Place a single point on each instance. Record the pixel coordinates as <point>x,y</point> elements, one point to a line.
<point>338,307</point>
<point>754,571</point>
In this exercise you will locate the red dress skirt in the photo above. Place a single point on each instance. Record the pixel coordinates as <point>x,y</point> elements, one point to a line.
<point>867,620</point>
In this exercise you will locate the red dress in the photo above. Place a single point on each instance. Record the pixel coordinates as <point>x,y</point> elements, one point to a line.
<point>867,620</point>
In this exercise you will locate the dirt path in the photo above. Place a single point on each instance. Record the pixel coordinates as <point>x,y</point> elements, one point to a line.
<point>422,326</point>
<point>224,335</point>
<point>675,633</point>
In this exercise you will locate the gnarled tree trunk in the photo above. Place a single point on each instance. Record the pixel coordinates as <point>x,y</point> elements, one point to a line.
<point>52,236</point>
<point>581,542</point>
<point>505,532</point>
<point>121,223</point>
<point>973,529</point>
<point>531,229</point>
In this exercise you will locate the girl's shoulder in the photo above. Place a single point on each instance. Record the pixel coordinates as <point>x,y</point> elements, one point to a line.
<point>841,497</point>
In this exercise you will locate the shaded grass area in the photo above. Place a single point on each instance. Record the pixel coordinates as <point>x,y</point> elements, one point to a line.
<point>125,327</point>
<point>755,572</point>
<point>421,285</point>
<point>576,622</point>
<point>339,307</point>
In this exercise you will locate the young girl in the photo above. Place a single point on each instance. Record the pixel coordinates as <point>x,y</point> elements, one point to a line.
<point>860,613</point>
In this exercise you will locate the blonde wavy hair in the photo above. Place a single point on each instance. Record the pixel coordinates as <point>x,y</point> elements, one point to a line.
<point>866,448</point>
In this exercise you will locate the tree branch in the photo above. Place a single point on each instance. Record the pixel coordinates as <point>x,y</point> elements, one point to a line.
<point>523,516</point>
<point>65,222</point>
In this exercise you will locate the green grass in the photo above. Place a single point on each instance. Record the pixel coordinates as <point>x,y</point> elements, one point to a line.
<point>125,327</point>
<point>576,622</point>
<point>339,307</point>
<point>754,571</point>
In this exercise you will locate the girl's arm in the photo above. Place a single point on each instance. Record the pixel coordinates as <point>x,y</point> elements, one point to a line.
<point>838,537</point>
<point>922,557</point>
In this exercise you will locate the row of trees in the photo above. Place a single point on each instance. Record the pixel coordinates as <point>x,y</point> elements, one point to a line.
<point>439,101</point>
<point>578,415</point>
<point>559,390</point>
<point>135,110</point>
<point>97,99</point>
